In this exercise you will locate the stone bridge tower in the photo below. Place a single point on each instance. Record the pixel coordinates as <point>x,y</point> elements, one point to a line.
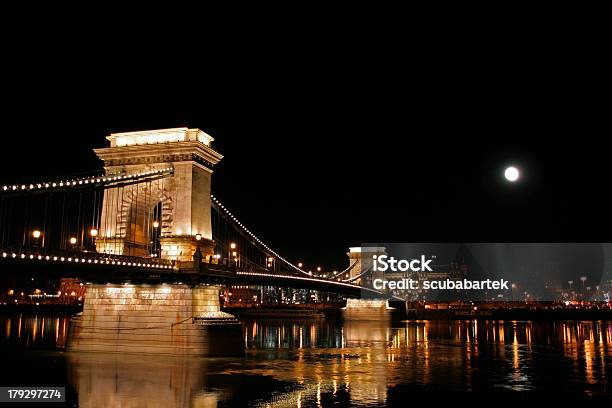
<point>361,262</point>
<point>181,201</point>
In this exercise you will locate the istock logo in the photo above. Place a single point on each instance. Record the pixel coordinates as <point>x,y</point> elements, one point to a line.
<point>383,263</point>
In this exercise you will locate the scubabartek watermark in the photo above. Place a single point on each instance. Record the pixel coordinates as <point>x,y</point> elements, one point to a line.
<point>446,284</point>
<point>384,263</point>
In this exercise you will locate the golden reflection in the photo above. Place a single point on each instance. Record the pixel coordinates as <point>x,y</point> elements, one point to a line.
<point>301,338</point>
<point>114,380</point>
<point>515,350</point>
<point>35,328</point>
<point>359,361</point>
<point>589,356</point>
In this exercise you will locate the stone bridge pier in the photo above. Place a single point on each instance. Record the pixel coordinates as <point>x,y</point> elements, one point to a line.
<point>162,319</point>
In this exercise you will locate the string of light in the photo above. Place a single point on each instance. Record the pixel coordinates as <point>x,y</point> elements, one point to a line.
<point>310,279</point>
<point>252,235</point>
<point>93,180</point>
<point>102,260</point>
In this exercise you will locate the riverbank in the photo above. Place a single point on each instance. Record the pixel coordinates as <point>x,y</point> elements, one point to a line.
<point>277,313</point>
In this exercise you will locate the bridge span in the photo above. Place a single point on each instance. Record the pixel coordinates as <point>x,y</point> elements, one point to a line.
<point>152,244</point>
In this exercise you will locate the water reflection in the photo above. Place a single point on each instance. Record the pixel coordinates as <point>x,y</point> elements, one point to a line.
<point>324,362</point>
<point>35,331</point>
<point>129,380</point>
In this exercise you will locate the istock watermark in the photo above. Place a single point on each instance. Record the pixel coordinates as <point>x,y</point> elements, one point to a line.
<point>383,263</point>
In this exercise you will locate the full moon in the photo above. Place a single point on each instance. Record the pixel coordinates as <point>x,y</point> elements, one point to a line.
<point>512,174</point>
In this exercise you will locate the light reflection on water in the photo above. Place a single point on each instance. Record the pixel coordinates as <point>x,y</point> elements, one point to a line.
<point>322,362</point>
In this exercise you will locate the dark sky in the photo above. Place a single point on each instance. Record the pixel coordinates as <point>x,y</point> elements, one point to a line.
<point>334,140</point>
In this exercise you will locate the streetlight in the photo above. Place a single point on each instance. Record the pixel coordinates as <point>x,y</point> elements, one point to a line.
<point>198,237</point>
<point>155,224</point>
<point>318,269</point>
<point>73,241</point>
<point>233,245</point>
<point>36,234</point>
<point>93,232</point>
<point>300,264</point>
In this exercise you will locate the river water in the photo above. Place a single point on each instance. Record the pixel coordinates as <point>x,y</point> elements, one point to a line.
<point>303,363</point>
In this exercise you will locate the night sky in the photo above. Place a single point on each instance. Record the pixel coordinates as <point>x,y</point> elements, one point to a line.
<point>332,143</point>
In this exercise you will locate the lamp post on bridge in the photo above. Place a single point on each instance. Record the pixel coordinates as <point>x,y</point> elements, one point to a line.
<point>36,234</point>
<point>93,232</point>
<point>234,253</point>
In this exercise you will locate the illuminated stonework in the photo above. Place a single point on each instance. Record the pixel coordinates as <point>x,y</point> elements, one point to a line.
<point>158,319</point>
<point>182,134</point>
<point>126,226</point>
<point>360,261</point>
<point>367,309</point>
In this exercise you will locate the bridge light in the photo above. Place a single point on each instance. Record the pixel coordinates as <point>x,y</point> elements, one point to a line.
<point>93,232</point>
<point>233,245</point>
<point>198,237</point>
<point>73,240</point>
<point>155,224</point>
<point>36,234</point>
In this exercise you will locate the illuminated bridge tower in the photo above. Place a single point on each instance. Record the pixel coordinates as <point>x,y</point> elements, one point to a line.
<point>175,210</point>
<point>361,262</point>
<point>361,273</point>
